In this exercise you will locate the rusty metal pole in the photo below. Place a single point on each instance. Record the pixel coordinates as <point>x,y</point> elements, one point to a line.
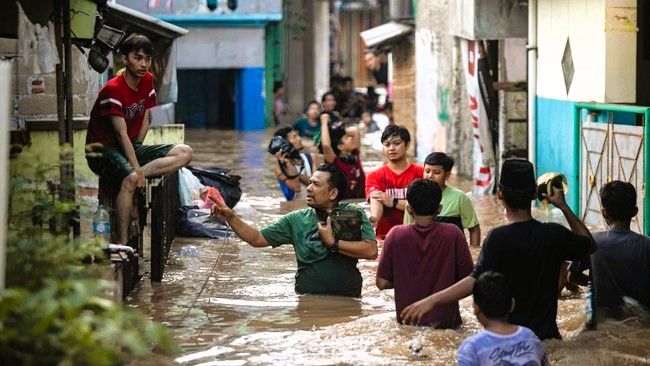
<point>65,110</point>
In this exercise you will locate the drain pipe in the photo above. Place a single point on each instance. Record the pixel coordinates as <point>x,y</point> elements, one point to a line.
<point>531,48</point>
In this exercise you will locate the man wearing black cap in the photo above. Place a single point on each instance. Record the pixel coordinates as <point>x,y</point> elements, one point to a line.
<point>529,253</point>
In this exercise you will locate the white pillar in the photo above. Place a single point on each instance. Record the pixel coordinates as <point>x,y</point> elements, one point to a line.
<point>5,88</point>
<point>321,48</point>
<point>532,80</point>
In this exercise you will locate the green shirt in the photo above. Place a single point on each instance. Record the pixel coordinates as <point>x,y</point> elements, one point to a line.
<point>319,270</point>
<point>455,203</point>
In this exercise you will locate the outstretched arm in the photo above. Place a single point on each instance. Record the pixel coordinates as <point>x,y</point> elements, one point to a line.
<point>414,312</point>
<point>325,140</point>
<point>244,231</point>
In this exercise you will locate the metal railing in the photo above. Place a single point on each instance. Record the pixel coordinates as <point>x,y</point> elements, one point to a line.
<point>164,202</point>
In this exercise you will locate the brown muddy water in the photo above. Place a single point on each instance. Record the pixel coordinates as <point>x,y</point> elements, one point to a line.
<point>240,308</point>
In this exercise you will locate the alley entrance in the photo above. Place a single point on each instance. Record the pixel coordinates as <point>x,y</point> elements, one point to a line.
<point>206,98</point>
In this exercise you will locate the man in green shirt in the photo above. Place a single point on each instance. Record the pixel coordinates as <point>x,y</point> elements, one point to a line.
<point>325,265</point>
<point>455,207</point>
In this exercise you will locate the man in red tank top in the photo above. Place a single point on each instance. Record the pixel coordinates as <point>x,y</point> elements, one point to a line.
<point>119,122</point>
<point>386,186</point>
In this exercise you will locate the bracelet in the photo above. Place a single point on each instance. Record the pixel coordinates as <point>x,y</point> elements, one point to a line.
<point>282,167</point>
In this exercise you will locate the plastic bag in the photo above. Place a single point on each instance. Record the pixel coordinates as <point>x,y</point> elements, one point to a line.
<point>219,178</point>
<point>198,223</point>
<point>189,187</point>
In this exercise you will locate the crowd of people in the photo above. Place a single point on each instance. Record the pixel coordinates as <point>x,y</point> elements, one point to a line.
<point>425,256</point>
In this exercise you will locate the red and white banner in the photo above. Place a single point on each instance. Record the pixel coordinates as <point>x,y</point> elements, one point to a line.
<point>483,156</point>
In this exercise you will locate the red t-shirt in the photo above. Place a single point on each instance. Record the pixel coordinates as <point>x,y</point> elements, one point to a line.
<point>354,173</point>
<point>422,260</point>
<point>116,98</point>
<point>385,180</point>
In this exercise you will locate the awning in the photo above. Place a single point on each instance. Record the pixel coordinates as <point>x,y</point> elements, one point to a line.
<point>117,16</point>
<point>132,21</point>
<point>385,34</point>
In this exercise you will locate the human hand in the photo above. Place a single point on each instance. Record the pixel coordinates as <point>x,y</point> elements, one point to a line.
<point>557,198</point>
<point>221,211</point>
<point>141,180</point>
<point>325,232</point>
<point>412,314</point>
<point>324,118</point>
<point>373,221</point>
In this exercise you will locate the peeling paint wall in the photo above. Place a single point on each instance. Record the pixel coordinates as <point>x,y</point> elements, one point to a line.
<point>85,85</point>
<point>443,119</point>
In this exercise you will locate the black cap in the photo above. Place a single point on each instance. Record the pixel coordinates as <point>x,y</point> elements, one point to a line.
<point>518,174</point>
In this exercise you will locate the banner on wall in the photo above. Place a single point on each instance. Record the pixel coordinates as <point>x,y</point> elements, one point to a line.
<point>483,152</point>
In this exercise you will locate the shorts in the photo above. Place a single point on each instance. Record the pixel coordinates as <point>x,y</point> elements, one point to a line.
<point>110,162</point>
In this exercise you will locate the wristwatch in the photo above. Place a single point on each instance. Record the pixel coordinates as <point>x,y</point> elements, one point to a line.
<point>395,201</point>
<point>334,248</point>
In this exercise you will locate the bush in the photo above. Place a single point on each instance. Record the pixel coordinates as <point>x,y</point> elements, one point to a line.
<point>54,309</point>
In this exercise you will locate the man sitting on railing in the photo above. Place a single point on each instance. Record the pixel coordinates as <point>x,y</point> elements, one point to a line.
<point>119,122</point>
<point>326,265</point>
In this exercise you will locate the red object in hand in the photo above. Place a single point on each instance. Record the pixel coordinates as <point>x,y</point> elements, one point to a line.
<point>213,194</point>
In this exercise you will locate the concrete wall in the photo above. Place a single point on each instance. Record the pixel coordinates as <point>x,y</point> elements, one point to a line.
<point>209,48</point>
<point>85,85</point>
<point>442,116</point>
<point>197,6</point>
<point>403,88</point>
<point>602,34</point>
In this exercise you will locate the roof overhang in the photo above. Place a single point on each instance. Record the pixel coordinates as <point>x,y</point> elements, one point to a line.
<point>256,20</point>
<point>133,21</point>
<point>386,33</point>
<point>115,15</point>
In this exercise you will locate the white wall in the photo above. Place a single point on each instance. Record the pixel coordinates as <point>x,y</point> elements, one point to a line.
<point>211,48</point>
<point>430,134</point>
<point>321,67</point>
<point>604,51</point>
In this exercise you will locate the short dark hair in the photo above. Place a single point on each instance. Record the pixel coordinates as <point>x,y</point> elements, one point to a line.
<point>347,78</point>
<point>322,99</point>
<point>136,42</point>
<point>516,198</point>
<point>283,131</point>
<point>619,200</point>
<point>424,197</point>
<point>309,105</point>
<point>277,85</point>
<point>440,158</point>
<point>336,134</point>
<point>492,295</point>
<point>396,130</point>
<point>336,179</point>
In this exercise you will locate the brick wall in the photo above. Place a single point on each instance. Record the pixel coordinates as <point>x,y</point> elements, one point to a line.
<point>404,87</point>
<point>85,84</point>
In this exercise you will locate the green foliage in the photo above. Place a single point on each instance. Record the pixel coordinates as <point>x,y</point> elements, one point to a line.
<point>55,308</point>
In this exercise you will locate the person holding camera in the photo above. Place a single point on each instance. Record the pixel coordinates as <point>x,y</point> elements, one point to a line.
<point>328,237</point>
<point>340,147</point>
<point>294,166</point>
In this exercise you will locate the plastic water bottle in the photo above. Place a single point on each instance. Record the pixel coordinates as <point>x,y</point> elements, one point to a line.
<point>102,225</point>
<point>590,308</point>
<point>190,257</point>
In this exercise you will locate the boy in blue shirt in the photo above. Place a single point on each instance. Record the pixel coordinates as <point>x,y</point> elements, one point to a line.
<point>500,343</point>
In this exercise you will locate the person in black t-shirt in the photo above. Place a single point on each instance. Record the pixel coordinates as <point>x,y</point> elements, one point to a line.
<point>529,253</point>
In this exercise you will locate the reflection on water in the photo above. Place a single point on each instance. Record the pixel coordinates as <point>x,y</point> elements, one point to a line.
<point>240,306</point>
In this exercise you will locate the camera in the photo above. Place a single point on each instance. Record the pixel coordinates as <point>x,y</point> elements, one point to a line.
<point>278,143</point>
<point>547,181</point>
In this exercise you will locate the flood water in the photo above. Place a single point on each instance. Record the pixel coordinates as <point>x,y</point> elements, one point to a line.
<point>240,307</point>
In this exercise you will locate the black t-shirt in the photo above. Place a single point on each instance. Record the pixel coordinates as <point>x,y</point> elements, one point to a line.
<point>529,254</point>
<point>381,75</point>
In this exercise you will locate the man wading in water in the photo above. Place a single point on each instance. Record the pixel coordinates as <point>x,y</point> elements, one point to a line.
<point>325,265</point>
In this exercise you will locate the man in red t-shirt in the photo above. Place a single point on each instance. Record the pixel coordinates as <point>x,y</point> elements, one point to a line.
<point>386,186</point>
<point>119,122</point>
<point>424,257</point>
